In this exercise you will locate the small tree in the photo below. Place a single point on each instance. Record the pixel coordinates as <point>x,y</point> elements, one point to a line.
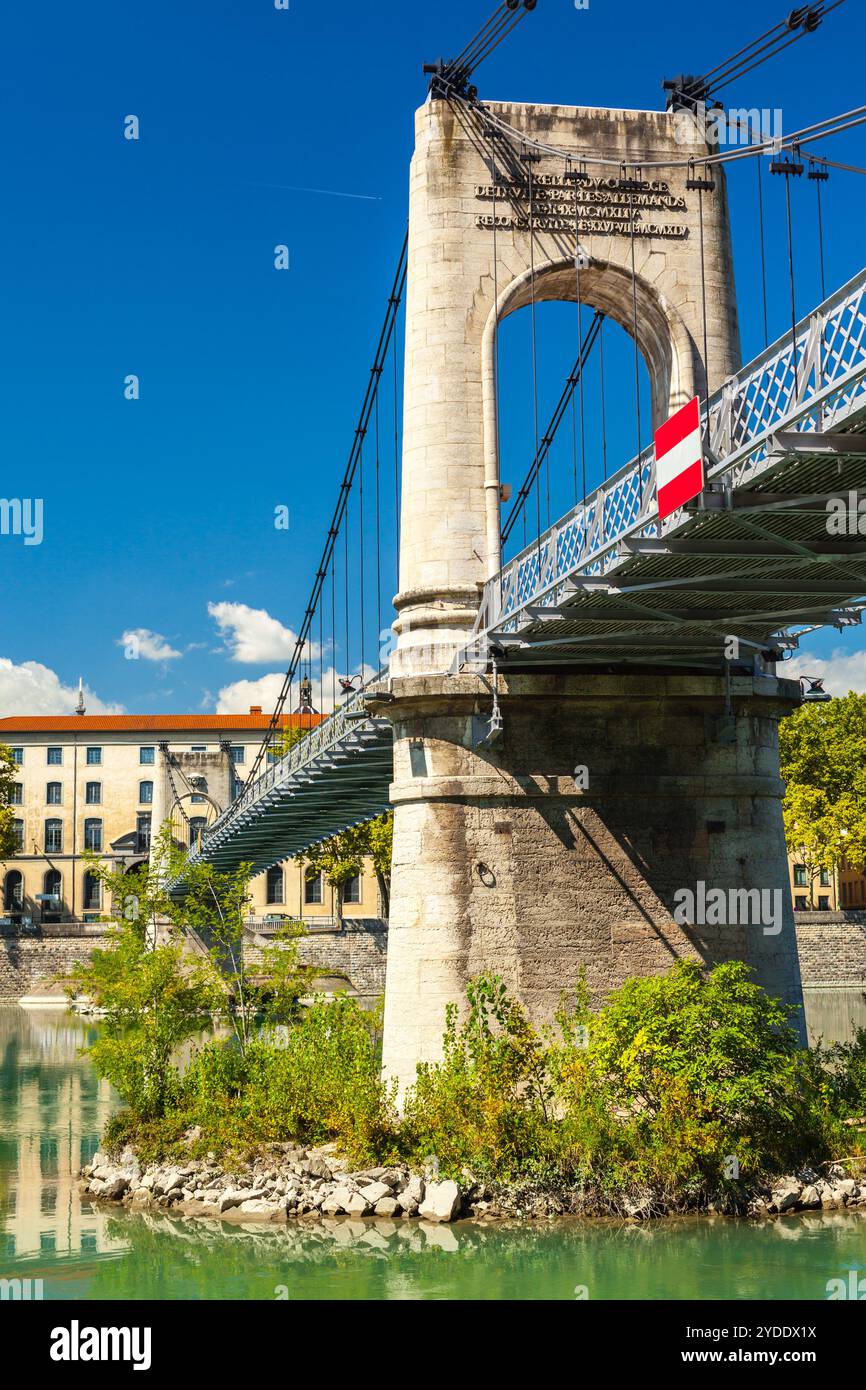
<point>8,772</point>
<point>341,858</point>
<point>823,762</point>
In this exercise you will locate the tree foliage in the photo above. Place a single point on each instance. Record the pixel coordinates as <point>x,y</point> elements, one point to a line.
<point>342,857</point>
<point>173,965</point>
<point>8,773</point>
<point>823,763</point>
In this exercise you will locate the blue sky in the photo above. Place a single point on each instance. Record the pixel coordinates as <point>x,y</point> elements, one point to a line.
<point>155,257</point>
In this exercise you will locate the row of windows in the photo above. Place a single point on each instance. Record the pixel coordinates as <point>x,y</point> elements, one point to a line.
<point>92,794</point>
<point>146,756</point>
<point>13,890</point>
<point>93,835</point>
<point>801,877</point>
<point>276,889</point>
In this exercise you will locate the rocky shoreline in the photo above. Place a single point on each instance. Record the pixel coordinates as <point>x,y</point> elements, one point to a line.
<point>289,1181</point>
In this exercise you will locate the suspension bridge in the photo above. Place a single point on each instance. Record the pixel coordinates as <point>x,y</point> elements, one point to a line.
<point>569,735</point>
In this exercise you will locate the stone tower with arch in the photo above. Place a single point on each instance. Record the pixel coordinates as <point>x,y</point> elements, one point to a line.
<point>501,862</point>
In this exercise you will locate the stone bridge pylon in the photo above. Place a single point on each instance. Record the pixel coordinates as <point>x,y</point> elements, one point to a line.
<point>562,846</point>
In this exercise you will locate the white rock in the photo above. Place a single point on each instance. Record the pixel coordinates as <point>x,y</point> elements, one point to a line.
<point>441,1202</point>
<point>386,1206</point>
<point>375,1192</point>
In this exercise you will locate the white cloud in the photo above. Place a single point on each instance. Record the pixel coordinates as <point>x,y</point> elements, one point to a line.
<point>252,636</point>
<point>238,697</point>
<point>841,672</point>
<point>147,645</point>
<point>34,689</point>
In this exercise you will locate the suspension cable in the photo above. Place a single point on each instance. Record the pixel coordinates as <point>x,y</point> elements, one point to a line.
<point>550,433</point>
<point>385,337</point>
<point>819,176</point>
<point>763,253</point>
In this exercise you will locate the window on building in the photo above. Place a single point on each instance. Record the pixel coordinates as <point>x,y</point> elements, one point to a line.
<point>13,891</point>
<point>352,890</point>
<point>145,793</point>
<point>92,893</point>
<point>94,757</point>
<point>197,827</point>
<point>55,757</point>
<point>239,753</point>
<point>147,756</point>
<point>198,748</point>
<point>18,834</point>
<point>313,890</point>
<point>276,891</point>
<point>823,903</point>
<point>142,830</point>
<point>93,835</point>
<point>18,756</point>
<point>54,837</point>
<point>16,794</point>
<point>800,875</point>
<point>53,883</point>
<point>825,878</point>
<point>54,794</point>
<point>801,904</point>
<point>93,794</point>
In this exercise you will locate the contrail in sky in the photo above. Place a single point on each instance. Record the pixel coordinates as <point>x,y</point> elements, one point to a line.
<point>330,192</point>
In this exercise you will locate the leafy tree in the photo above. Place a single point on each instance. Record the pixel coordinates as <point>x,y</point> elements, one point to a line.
<point>342,857</point>
<point>823,762</point>
<point>173,964</point>
<point>154,1000</point>
<point>8,773</point>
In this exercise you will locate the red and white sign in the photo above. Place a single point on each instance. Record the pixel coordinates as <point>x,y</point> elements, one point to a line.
<point>679,459</point>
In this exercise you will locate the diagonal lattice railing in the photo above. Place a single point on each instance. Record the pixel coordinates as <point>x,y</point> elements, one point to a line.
<point>811,380</point>
<point>350,718</point>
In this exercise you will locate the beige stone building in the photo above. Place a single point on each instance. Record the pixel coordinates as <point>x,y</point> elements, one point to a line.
<point>103,784</point>
<point>817,890</point>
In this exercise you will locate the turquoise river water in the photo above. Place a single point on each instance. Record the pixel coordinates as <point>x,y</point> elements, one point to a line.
<point>52,1109</point>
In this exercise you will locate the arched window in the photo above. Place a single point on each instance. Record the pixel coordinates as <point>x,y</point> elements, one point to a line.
<point>13,891</point>
<point>53,883</point>
<point>92,893</point>
<point>197,827</point>
<point>18,832</point>
<point>93,835</point>
<point>54,794</point>
<point>145,793</point>
<point>276,890</point>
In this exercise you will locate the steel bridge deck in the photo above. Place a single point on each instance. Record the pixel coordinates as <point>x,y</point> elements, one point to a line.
<point>611,585</point>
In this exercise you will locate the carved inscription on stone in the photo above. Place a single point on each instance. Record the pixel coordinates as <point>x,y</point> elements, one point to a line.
<point>604,206</point>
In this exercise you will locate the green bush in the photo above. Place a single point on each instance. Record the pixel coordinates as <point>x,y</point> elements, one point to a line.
<point>319,1081</point>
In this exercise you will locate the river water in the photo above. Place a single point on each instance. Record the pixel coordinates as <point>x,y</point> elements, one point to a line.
<point>52,1109</point>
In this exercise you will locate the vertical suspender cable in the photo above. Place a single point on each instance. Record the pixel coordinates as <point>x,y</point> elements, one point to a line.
<point>763,252</point>
<point>704,306</point>
<point>634,321</point>
<point>346,588</point>
<point>333,630</point>
<point>603,419</point>
<point>378,536</point>
<point>577,258</point>
<point>793,290</point>
<point>361,550</point>
<point>535,371</point>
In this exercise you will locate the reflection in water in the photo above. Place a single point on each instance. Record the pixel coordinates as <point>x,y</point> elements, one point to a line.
<point>52,1110</point>
<point>352,1259</point>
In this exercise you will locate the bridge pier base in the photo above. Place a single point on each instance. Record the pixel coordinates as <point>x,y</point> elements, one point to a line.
<point>613,828</point>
